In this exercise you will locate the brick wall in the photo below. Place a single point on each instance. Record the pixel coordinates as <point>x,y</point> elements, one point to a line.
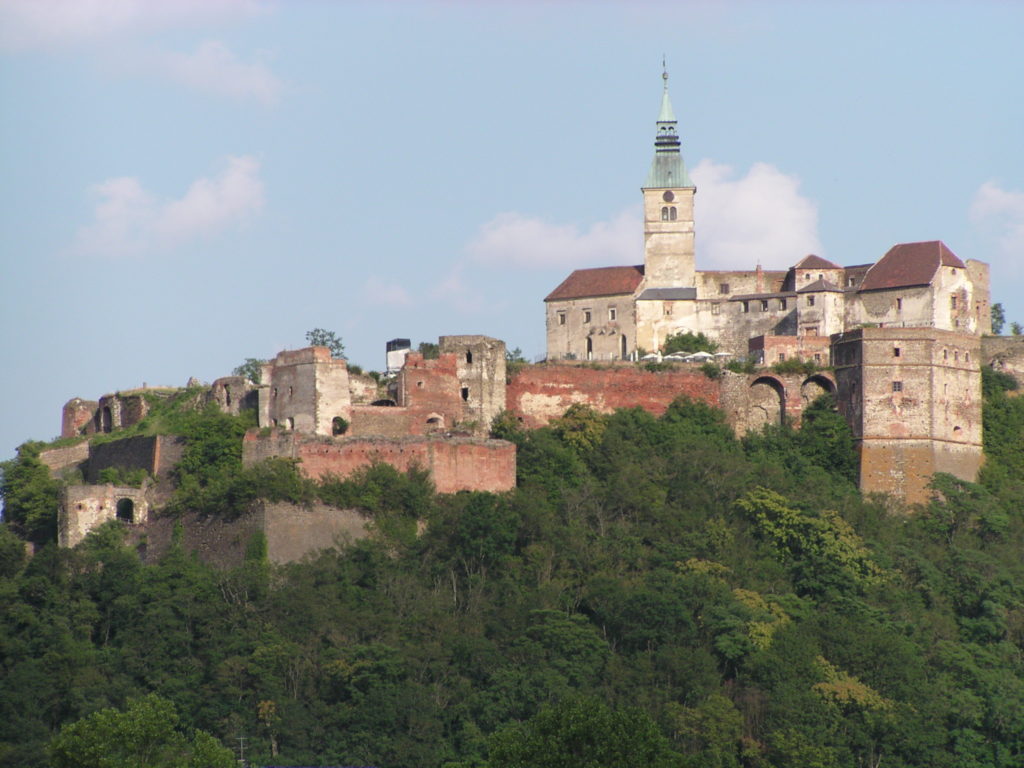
<point>68,458</point>
<point>455,464</point>
<point>539,393</point>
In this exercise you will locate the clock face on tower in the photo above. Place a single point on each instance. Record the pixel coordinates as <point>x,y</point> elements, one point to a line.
<point>668,197</point>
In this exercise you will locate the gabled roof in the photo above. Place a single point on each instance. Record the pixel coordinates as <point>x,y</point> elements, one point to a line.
<point>909,264</point>
<point>815,262</point>
<point>600,281</point>
<point>820,285</point>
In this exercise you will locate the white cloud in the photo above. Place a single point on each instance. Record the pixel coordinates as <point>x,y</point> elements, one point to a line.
<point>50,24</point>
<point>512,239</point>
<point>740,220</point>
<point>215,69</point>
<point>128,220</point>
<point>759,217</point>
<point>376,291</point>
<point>1000,212</point>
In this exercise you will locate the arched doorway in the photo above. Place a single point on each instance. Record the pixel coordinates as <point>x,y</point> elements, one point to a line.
<point>767,403</point>
<point>814,387</point>
<point>126,510</point>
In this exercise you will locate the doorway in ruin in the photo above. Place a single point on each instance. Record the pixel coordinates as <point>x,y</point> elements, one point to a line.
<point>126,510</point>
<point>767,403</point>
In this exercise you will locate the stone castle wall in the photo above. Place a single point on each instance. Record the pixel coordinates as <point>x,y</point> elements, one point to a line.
<point>455,464</point>
<point>292,532</point>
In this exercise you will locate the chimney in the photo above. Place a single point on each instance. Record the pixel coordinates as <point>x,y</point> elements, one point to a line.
<point>760,279</point>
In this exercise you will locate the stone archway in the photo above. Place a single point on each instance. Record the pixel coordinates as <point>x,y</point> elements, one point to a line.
<point>126,510</point>
<point>766,403</point>
<point>814,387</point>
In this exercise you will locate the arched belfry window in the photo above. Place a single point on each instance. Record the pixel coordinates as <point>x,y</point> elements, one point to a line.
<point>664,213</point>
<point>672,213</point>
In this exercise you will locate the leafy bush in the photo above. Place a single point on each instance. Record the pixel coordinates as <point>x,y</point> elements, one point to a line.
<point>688,342</point>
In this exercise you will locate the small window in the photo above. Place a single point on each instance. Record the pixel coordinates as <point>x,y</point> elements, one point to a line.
<point>664,213</point>
<point>746,306</point>
<point>716,308</point>
<point>465,393</point>
<point>419,385</point>
<point>897,386</point>
<point>612,313</point>
<point>469,357</point>
<point>956,355</point>
<point>849,282</point>
<point>782,303</point>
<point>967,357</point>
<point>952,302</point>
<point>782,357</point>
<point>817,357</point>
<point>667,308</point>
<point>561,318</point>
<point>672,213</point>
<point>895,351</point>
<point>945,354</point>
<point>723,287</point>
<point>899,305</point>
<point>586,315</point>
<point>810,301</point>
<point>764,305</point>
<point>821,276</point>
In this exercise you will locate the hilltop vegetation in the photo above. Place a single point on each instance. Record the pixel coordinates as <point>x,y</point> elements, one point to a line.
<point>655,592</point>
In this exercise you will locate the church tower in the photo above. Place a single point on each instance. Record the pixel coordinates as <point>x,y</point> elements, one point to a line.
<point>668,209</point>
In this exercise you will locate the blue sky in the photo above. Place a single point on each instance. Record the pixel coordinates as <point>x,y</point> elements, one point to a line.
<point>188,184</point>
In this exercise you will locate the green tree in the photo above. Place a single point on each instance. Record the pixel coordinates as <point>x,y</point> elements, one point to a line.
<point>145,735</point>
<point>320,337</point>
<point>30,495</point>
<point>688,342</point>
<point>1016,328</point>
<point>429,349</point>
<point>584,733</point>
<point>251,369</point>
<point>998,318</point>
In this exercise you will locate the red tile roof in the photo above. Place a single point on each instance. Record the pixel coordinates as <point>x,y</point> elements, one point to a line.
<point>815,262</point>
<point>601,281</point>
<point>909,264</point>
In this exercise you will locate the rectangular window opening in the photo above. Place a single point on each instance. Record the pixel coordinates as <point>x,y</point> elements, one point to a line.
<point>897,386</point>
<point>895,351</point>
<point>465,393</point>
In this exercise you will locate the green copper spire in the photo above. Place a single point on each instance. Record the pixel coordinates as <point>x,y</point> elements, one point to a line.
<point>668,169</point>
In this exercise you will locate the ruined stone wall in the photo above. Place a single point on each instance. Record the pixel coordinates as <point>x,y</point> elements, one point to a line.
<point>480,368</point>
<point>455,464</point>
<point>292,533</point>
<point>304,389</point>
<point>233,394</point>
<point>363,389</point>
<point>84,507</point>
<point>431,391</point>
<point>77,416</point>
<point>539,393</point>
<point>69,458</point>
<point>1004,353</point>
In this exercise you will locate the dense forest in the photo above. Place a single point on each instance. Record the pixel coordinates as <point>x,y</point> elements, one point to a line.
<point>655,592</point>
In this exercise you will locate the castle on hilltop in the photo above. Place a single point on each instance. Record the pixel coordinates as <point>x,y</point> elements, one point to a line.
<point>899,343</point>
<point>609,313</point>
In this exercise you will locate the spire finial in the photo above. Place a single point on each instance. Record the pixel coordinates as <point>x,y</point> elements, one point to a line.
<point>664,71</point>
